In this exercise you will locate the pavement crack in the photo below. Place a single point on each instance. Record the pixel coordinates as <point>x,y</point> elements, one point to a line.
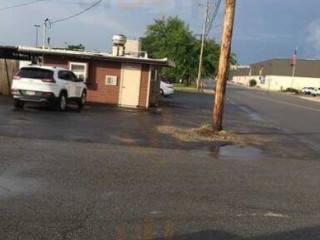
<point>4,188</point>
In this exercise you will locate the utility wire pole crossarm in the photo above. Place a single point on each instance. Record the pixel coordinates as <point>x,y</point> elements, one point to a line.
<point>221,82</point>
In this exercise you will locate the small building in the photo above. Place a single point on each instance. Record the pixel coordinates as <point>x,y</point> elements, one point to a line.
<point>279,74</point>
<point>117,79</point>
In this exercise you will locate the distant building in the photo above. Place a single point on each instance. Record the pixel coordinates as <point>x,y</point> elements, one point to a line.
<point>277,74</point>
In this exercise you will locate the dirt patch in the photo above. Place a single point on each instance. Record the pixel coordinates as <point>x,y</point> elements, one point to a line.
<point>201,134</point>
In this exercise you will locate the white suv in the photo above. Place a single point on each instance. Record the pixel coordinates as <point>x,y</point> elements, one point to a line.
<point>47,85</point>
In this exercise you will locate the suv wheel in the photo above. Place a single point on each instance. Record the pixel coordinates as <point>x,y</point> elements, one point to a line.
<point>82,100</point>
<point>62,103</point>
<point>18,104</point>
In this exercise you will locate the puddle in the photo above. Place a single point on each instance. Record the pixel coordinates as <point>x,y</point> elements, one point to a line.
<point>253,115</point>
<point>12,186</point>
<point>231,152</point>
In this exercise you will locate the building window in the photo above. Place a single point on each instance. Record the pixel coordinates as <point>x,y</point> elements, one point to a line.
<point>111,80</point>
<point>79,69</point>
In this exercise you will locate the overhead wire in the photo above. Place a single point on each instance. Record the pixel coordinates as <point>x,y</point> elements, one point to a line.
<point>77,14</point>
<point>214,16</point>
<point>21,5</point>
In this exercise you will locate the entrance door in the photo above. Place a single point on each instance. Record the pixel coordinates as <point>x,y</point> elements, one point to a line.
<point>130,87</point>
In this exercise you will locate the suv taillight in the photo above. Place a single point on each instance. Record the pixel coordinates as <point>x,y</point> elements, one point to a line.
<point>48,80</point>
<point>16,77</point>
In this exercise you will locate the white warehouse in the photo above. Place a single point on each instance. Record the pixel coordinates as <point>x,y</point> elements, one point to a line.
<point>277,74</point>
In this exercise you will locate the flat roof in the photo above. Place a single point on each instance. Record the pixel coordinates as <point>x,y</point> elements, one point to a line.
<point>18,52</point>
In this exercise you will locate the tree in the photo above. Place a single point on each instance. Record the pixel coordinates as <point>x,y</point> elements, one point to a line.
<point>173,39</point>
<point>78,47</point>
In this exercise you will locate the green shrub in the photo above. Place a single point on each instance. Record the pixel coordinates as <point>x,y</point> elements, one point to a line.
<point>292,90</point>
<point>253,83</point>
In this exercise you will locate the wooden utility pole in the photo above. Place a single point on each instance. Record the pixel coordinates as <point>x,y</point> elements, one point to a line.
<point>203,36</point>
<point>221,82</point>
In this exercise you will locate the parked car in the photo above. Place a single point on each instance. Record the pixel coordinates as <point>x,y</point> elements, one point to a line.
<point>47,86</point>
<point>309,90</point>
<point>304,90</point>
<point>317,92</point>
<point>166,89</point>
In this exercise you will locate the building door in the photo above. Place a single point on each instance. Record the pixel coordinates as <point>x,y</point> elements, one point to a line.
<point>130,86</point>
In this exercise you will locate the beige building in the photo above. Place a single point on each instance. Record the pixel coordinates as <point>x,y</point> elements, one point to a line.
<point>277,74</point>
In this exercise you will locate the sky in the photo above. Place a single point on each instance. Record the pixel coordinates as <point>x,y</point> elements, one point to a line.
<point>264,29</point>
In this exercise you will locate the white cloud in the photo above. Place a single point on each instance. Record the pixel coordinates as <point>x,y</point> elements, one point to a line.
<point>313,37</point>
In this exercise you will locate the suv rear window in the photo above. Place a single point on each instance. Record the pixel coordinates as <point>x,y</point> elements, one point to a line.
<point>37,73</point>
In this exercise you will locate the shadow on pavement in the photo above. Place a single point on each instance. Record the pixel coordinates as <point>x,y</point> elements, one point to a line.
<point>309,233</point>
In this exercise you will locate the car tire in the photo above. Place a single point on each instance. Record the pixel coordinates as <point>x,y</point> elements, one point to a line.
<point>18,104</point>
<point>62,102</point>
<point>161,93</point>
<point>82,100</point>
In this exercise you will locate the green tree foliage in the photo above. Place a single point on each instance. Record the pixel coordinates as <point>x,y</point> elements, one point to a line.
<point>173,39</point>
<point>78,47</point>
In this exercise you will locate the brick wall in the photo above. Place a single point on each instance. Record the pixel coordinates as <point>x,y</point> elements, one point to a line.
<point>56,61</point>
<point>98,92</point>
<point>144,86</point>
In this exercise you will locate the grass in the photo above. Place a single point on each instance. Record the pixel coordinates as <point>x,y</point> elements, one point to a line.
<point>183,88</point>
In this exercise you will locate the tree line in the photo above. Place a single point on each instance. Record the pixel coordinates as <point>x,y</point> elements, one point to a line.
<point>172,38</point>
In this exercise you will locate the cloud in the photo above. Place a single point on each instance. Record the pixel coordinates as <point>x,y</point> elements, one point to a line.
<point>262,37</point>
<point>313,37</point>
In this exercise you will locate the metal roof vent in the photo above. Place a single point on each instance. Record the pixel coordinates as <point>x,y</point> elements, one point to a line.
<point>119,42</point>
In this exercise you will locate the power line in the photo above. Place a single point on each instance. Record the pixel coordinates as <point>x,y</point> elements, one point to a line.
<point>77,14</point>
<point>214,16</point>
<point>21,5</point>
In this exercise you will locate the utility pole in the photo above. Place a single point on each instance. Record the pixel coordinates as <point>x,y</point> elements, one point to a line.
<point>44,34</point>
<point>221,82</point>
<point>37,26</point>
<point>202,44</point>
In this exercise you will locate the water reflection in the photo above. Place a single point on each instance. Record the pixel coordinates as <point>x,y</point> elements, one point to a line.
<point>232,152</point>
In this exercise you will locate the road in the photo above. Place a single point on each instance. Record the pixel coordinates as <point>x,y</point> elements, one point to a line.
<point>294,116</point>
<point>108,173</point>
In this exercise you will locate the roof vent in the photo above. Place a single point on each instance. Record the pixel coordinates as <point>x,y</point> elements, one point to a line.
<point>119,42</point>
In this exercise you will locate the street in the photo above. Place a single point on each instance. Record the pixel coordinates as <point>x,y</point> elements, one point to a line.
<point>295,117</point>
<point>108,173</point>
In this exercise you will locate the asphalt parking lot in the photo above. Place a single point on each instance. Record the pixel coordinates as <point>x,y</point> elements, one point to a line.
<point>108,173</point>
<point>103,124</point>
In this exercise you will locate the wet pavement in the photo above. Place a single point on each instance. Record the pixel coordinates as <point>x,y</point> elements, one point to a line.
<point>109,173</point>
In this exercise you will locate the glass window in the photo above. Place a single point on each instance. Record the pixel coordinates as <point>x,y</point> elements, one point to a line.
<point>73,77</point>
<point>80,69</point>
<point>64,75</point>
<point>37,73</point>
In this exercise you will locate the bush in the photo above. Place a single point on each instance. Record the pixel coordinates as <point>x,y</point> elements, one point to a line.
<point>253,83</point>
<point>292,90</point>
